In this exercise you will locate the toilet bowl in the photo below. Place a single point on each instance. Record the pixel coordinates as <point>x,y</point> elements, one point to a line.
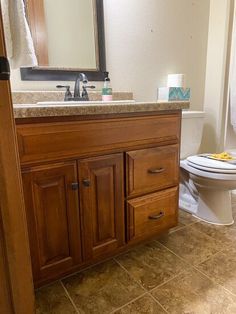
<point>205,184</point>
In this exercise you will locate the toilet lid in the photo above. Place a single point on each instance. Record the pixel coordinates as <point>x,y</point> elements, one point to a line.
<point>206,164</point>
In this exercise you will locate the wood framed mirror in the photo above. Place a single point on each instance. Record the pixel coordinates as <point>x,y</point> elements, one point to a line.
<point>68,38</point>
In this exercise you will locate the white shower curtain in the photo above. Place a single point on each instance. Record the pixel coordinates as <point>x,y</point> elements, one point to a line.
<point>232,84</point>
<point>19,43</point>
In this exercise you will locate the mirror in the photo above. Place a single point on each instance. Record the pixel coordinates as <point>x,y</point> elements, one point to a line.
<point>68,38</point>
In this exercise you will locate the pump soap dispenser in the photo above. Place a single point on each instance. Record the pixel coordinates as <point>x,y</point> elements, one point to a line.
<point>107,89</point>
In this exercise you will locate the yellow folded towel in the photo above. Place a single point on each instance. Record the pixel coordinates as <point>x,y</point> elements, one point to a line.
<point>222,156</point>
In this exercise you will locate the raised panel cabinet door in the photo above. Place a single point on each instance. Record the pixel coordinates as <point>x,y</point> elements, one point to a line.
<point>53,218</point>
<point>102,204</point>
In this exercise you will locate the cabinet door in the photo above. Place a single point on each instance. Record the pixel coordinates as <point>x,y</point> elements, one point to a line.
<point>52,208</point>
<point>102,204</point>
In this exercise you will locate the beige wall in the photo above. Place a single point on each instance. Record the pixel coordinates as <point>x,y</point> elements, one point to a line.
<point>146,40</point>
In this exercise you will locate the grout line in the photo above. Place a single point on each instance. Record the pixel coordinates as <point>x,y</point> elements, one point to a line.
<point>198,231</point>
<point>186,262</point>
<point>47,285</point>
<point>183,227</point>
<point>130,275</point>
<point>94,265</point>
<point>196,268</point>
<point>69,297</point>
<point>149,291</point>
<point>76,272</point>
<point>207,235</point>
<point>214,281</point>
<point>211,237</point>
<point>154,299</point>
<point>128,303</point>
<point>168,280</point>
<point>210,257</point>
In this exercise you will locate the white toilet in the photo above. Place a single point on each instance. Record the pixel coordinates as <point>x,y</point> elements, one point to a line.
<point>205,184</point>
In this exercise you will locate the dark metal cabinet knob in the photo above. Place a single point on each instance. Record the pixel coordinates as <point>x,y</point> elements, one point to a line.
<point>86,182</point>
<point>75,186</point>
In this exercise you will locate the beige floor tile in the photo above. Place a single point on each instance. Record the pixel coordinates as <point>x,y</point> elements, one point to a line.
<point>193,246</point>
<point>102,289</point>
<point>194,293</point>
<point>186,218</point>
<point>151,264</point>
<point>53,300</point>
<point>144,305</point>
<point>222,268</point>
<point>226,235</point>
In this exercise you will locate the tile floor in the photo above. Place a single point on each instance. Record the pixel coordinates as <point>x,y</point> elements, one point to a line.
<point>190,270</point>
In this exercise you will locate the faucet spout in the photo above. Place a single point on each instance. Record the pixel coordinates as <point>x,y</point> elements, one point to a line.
<point>81,77</point>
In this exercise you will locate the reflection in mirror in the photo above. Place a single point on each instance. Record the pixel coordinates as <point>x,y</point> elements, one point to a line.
<point>68,37</point>
<point>71,33</point>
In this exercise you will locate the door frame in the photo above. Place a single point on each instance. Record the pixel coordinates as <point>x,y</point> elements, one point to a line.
<point>16,289</point>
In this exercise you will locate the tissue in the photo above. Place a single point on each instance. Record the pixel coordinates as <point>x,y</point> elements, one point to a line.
<point>176,80</point>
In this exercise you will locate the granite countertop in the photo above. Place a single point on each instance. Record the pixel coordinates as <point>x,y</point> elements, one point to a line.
<point>52,109</point>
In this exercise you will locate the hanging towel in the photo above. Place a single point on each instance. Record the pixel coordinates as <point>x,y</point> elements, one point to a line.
<point>232,85</point>
<point>19,42</point>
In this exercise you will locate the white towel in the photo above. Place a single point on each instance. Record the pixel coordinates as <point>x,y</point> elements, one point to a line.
<point>19,42</point>
<point>232,85</point>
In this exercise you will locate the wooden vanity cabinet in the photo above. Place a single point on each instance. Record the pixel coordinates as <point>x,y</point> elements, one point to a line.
<point>52,208</point>
<point>94,187</point>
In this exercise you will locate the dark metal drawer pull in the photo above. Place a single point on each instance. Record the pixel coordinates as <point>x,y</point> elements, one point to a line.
<point>155,171</point>
<point>156,217</point>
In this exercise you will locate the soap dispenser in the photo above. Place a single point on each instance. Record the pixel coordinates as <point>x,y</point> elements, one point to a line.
<point>107,89</point>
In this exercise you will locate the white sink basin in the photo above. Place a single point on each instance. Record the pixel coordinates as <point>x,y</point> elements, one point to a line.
<point>83,103</point>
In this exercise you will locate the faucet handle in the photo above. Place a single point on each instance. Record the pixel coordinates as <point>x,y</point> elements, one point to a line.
<point>89,86</point>
<point>85,93</point>
<point>63,86</point>
<point>68,93</point>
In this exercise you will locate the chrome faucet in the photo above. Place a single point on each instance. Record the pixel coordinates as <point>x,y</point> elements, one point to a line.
<point>81,78</point>
<point>77,96</point>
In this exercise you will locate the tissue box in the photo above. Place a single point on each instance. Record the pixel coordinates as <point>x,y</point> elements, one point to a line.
<point>173,93</point>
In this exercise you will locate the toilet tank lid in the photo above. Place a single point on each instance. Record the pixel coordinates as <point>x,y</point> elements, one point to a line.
<point>187,114</point>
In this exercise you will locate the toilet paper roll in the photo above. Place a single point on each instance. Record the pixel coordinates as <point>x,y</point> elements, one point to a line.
<point>176,80</point>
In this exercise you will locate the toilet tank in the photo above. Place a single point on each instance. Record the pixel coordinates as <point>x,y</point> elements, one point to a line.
<point>191,134</point>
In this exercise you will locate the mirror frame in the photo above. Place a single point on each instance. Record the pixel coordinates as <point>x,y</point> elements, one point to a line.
<point>37,74</point>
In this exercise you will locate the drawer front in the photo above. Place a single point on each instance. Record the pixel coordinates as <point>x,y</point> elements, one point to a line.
<point>149,215</point>
<point>56,141</point>
<point>152,169</point>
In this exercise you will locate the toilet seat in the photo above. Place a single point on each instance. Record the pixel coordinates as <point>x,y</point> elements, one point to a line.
<point>204,173</point>
<point>211,165</point>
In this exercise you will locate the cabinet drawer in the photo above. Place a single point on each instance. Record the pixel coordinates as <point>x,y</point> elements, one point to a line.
<point>151,214</point>
<point>152,169</point>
